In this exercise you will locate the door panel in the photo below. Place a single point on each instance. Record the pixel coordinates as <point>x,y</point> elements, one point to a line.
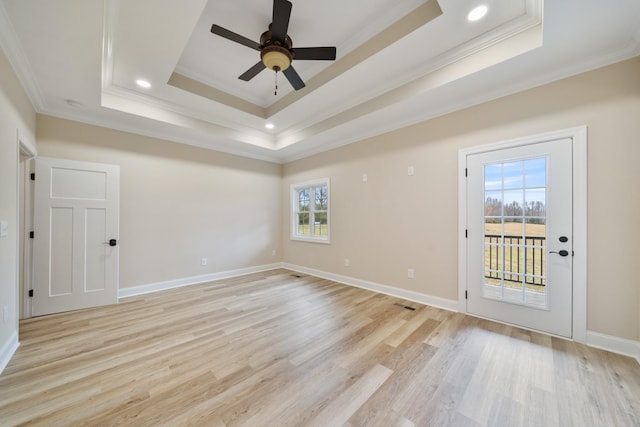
<point>76,211</point>
<point>61,267</point>
<point>519,219</point>
<point>96,251</point>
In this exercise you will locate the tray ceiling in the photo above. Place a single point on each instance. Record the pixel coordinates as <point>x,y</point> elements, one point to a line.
<point>397,63</point>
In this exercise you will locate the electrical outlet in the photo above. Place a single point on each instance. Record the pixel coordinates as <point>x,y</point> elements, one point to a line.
<point>410,170</point>
<point>203,262</point>
<point>346,262</point>
<point>364,177</point>
<point>410,273</point>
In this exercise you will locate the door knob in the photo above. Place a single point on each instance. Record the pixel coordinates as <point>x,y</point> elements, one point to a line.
<point>561,253</point>
<point>111,242</point>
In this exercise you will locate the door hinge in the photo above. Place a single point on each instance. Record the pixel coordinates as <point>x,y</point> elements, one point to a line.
<point>32,234</point>
<point>30,292</point>
<point>466,172</point>
<point>466,295</point>
<point>466,233</point>
<point>33,177</point>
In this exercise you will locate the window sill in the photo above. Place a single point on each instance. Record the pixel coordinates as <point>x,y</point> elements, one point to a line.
<point>310,239</point>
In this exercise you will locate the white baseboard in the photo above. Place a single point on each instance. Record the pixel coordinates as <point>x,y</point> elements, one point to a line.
<point>446,304</point>
<point>193,280</point>
<point>614,344</point>
<point>8,349</point>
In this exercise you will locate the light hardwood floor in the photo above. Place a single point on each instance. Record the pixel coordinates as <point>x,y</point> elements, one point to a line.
<point>273,349</point>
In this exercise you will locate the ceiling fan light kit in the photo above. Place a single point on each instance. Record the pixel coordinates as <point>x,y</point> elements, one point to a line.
<point>276,58</point>
<point>276,48</point>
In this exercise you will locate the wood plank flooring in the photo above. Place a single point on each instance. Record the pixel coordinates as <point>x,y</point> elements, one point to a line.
<point>273,349</point>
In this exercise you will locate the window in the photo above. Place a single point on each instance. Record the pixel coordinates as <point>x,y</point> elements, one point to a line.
<point>310,211</point>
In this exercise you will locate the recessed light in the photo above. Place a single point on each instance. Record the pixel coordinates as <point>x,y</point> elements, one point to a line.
<point>143,83</point>
<point>270,126</point>
<point>477,13</point>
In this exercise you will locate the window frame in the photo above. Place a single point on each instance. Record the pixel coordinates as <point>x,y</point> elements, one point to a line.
<point>293,228</point>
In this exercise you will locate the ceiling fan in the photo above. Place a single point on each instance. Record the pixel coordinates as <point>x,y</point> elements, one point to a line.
<point>276,48</point>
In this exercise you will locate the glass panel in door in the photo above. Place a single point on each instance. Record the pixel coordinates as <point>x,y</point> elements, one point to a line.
<point>515,232</point>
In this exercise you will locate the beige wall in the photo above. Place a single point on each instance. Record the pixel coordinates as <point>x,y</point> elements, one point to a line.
<point>394,221</point>
<point>178,203</point>
<point>17,117</point>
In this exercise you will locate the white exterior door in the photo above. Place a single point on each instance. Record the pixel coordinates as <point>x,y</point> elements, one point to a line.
<point>75,247</point>
<point>519,244</point>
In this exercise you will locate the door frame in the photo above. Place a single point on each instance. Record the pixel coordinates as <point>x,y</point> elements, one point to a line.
<point>578,135</point>
<point>23,244</point>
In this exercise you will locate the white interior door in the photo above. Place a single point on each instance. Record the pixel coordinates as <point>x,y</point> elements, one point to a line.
<point>519,245</point>
<point>75,252</point>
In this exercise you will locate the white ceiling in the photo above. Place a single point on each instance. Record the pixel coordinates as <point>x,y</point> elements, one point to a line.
<point>397,63</point>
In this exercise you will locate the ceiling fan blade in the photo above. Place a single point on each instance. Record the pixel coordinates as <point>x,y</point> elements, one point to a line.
<point>252,72</point>
<point>230,35</point>
<point>315,53</point>
<point>280,21</point>
<point>294,78</point>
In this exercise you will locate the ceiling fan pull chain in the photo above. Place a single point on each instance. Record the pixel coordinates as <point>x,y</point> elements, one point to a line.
<point>275,93</point>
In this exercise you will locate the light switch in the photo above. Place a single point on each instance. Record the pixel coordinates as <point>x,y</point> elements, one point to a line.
<point>4,228</point>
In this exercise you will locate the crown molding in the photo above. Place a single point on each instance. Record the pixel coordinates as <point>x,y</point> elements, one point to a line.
<point>629,51</point>
<point>10,44</point>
